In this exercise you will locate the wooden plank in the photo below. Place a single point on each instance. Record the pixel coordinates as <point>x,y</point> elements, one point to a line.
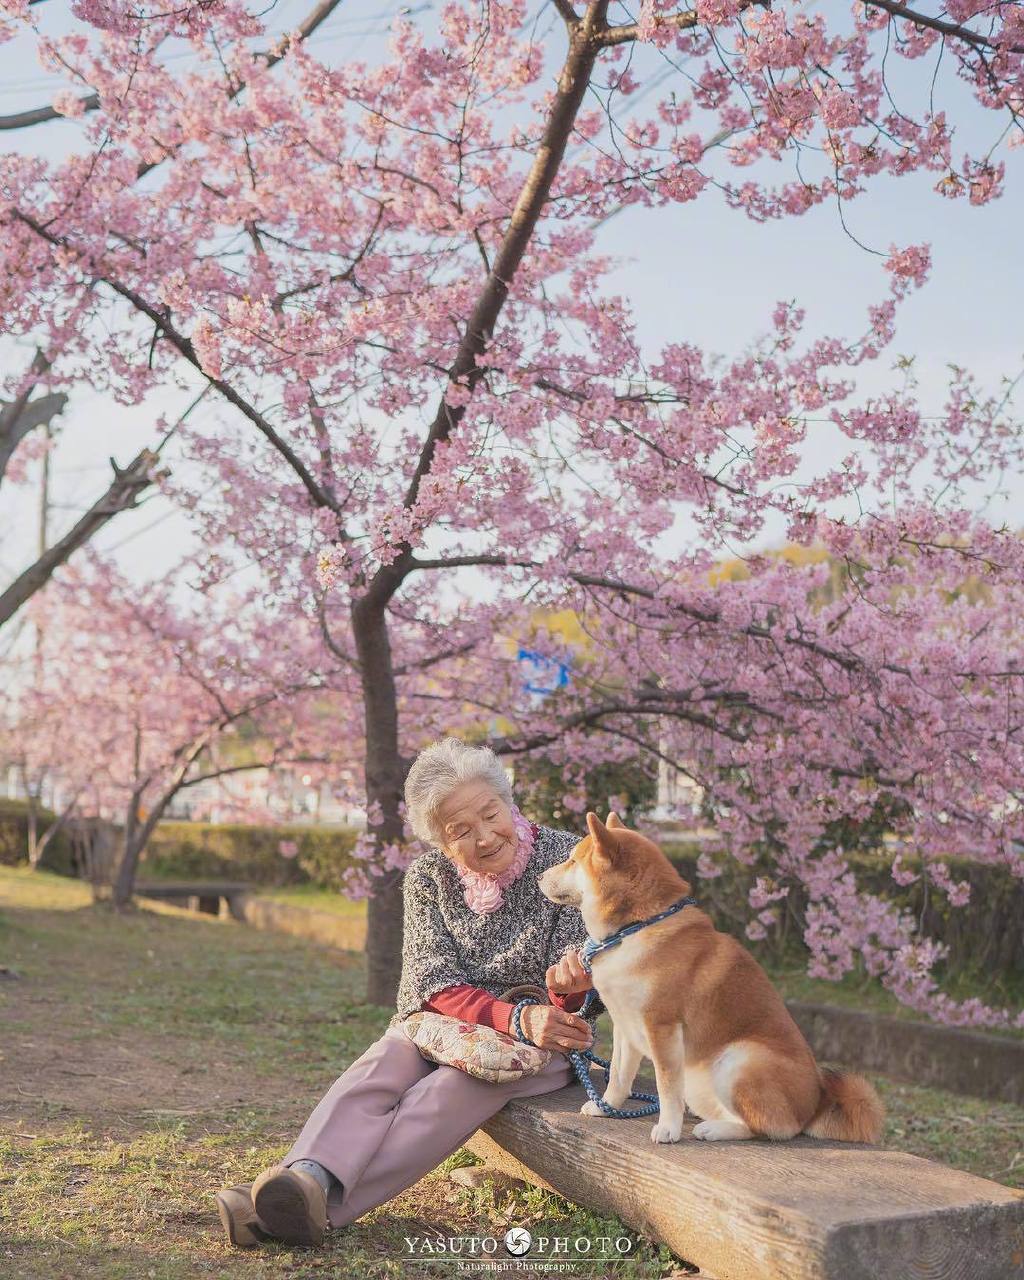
<point>973,1062</point>
<point>801,1210</point>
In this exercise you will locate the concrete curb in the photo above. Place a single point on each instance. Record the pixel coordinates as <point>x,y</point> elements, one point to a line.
<point>303,922</point>
<point>925,1053</point>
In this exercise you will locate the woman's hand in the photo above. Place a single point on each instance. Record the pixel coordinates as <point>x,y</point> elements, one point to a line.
<point>551,1028</point>
<point>568,975</point>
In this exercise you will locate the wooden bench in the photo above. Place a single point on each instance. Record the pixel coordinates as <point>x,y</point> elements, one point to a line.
<point>800,1210</point>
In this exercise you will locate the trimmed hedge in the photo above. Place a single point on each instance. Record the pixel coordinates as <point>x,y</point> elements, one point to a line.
<point>14,838</point>
<point>234,851</point>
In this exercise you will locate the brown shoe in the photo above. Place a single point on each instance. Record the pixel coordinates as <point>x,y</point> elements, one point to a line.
<point>238,1214</point>
<point>291,1205</point>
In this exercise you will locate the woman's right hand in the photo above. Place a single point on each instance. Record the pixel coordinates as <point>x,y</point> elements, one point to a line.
<point>556,1029</point>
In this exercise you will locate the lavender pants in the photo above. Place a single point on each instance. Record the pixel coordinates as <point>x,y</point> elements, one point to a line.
<point>393,1116</point>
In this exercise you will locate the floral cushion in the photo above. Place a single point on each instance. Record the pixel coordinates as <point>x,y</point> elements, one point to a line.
<point>479,1051</point>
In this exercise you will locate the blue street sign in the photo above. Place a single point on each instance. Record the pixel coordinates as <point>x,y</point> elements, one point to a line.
<point>542,674</point>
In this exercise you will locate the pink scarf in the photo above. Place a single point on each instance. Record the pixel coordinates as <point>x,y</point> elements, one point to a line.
<point>483,889</point>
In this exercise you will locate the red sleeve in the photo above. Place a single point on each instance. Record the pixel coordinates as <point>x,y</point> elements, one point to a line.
<point>572,1003</point>
<point>473,1004</point>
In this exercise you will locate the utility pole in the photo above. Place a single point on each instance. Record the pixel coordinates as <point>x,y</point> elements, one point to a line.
<point>44,522</point>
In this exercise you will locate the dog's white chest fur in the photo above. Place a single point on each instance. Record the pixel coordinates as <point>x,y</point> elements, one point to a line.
<point>618,976</point>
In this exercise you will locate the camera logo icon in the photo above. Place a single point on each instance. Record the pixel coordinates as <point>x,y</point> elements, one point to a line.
<point>518,1241</point>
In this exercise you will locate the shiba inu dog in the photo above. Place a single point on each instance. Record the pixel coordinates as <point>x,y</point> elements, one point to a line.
<point>698,1004</point>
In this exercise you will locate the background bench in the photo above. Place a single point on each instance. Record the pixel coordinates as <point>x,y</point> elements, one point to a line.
<point>199,895</point>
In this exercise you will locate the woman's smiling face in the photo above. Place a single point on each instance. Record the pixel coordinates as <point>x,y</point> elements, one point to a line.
<point>476,828</point>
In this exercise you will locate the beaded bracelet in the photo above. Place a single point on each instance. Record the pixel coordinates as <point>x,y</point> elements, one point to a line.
<point>517,1013</point>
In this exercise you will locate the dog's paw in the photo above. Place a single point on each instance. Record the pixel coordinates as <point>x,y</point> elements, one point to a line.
<point>591,1109</point>
<point>720,1131</point>
<point>664,1131</point>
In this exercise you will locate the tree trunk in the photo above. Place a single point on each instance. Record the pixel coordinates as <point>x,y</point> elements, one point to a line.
<point>385,769</point>
<point>34,852</point>
<point>385,778</point>
<point>124,881</point>
<point>39,844</point>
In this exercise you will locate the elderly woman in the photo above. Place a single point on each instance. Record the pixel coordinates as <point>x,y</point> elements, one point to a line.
<point>476,925</point>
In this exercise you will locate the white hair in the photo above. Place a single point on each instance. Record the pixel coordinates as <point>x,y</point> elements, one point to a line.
<point>437,771</point>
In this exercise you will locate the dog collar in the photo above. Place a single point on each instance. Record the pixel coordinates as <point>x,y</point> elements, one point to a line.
<point>592,947</point>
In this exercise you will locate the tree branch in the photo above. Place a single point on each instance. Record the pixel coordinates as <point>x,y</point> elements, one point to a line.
<point>122,494</point>
<point>329,640</point>
<point>510,745</point>
<point>456,652</point>
<point>626,589</point>
<point>454,562</point>
<point>628,31</point>
<point>185,348</point>
<point>465,372</point>
<point>54,829</point>
<point>40,115</point>
<point>941,25</point>
<point>19,417</point>
<point>545,384</point>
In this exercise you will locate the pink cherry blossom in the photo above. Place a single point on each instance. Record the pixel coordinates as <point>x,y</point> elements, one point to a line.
<point>437,431</point>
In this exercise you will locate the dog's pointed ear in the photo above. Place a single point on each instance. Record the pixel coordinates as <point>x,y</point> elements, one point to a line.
<point>596,827</point>
<point>613,821</point>
<point>604,842</point>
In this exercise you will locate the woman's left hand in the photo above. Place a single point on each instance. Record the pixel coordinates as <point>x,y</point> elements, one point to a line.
<point>551,1028</point>
<point>568,975</point>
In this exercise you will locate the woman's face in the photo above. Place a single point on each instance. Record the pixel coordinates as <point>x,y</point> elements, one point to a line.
<point>476,828</point>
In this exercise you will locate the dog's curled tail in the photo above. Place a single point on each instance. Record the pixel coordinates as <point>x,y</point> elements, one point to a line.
<point>849,1111</point>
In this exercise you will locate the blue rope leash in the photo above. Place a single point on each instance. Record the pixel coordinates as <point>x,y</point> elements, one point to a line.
<point>581,1057</point>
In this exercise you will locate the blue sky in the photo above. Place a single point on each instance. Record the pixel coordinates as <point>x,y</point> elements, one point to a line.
<point>698,272</point>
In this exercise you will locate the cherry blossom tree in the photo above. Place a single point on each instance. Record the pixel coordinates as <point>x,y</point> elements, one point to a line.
<point>437,419</point>
<point>133,697</point>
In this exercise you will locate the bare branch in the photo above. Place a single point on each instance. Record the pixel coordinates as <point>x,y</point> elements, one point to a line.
<point>455,562</point>
<point>40,115</point>
<point>54,829</point>
<point>122,494</point>
<point>329,640</point>
<point>229,769</point>
<point>19,417</point>
<point>570,15</point>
